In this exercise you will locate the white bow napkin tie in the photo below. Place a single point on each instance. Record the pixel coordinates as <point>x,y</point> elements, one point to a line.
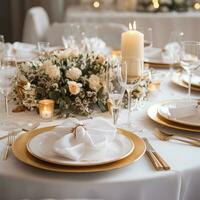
<point>83,137</point>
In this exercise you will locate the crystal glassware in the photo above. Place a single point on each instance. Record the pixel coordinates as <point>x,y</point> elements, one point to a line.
<point>134,76</point>
<point>2,45</point>
<point>190,59</point>
<point>8,71</point>
<point>43,48</point>
<point>116,80</point>
<point>148,38</point>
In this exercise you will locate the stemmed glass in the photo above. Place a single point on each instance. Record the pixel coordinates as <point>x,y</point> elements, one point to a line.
<point>72,36</point>
<point>116,80</point>
<point>134,76</point>
<point>7,72</point>
<point>148,38</point>
<point>190,59</point>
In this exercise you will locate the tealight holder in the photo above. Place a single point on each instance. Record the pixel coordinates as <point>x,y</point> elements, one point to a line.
<point>46,108</point>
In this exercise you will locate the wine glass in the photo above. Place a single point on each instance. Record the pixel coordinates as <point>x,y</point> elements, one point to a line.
<point>2,45</point>
<point>190,59</point>
<point>148,38</point>
<point>134,76</point>
<point>72,36</point>
<point>116,80</point>
<point>7,72</point>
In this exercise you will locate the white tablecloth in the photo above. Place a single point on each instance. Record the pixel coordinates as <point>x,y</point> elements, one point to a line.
<point>139,181</point>
<point>161,23</point>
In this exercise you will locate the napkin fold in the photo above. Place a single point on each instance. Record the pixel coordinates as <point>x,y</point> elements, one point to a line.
<point>21,50</point>
<point>184,109</point>
<point>88,136</point>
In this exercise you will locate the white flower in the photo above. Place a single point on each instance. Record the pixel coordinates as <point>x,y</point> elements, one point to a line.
<point>94,82</point>
<point>68,53</point>
<point>73,73</point>
<point>74,87</point>
<point>51,70</point>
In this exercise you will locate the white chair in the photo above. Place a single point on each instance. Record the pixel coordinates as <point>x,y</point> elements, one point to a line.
<point>36,24</point>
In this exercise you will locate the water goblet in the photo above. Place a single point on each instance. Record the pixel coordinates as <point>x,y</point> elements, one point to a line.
<point>116,80</point>
<point>190,59</point>
<point>7,72</point>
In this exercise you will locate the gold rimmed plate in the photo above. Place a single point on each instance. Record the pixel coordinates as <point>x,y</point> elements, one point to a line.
<point>41,146</point>
<point>154,115</point>
<point>21,153</point>
<point>176,78</point>
<point>181,111</point>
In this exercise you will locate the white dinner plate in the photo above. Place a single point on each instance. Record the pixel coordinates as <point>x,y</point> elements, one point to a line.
<point>41,146</point>
<point>195,81</point>
<point>158,56</point>
<point>186,112</point>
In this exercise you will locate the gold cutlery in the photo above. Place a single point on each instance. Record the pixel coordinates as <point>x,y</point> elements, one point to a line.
<point>9,134</point>
<point>30,126</point>
<point>8,147</point>
<point>157,161</point>
<point>166,137</point>
<point>26,128</point>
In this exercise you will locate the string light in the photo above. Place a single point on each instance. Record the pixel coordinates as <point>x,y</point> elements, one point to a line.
<point>96,4</point>
<point>197,6</point>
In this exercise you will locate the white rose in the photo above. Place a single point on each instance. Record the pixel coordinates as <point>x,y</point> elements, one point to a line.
<point>68,53</point>
<point>74,87</point>
<point>51,70</point>
<point>73,73</point>
<point>94,82</point>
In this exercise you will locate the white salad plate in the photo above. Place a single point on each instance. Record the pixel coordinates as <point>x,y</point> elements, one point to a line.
<point>41,146</point>
<point>195,81</point>
<point>186,112</point>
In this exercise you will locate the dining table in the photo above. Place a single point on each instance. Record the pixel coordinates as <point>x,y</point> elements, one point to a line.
<point>137,181</point>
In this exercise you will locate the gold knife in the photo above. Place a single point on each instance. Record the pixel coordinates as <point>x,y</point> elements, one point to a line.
<point>158,162</point>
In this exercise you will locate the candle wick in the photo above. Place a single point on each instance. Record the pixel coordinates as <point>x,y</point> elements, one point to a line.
<point>134,25</point>
<point>130,26</point>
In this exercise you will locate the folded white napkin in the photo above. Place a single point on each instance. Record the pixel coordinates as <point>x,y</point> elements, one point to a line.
<point>153,53</point>
<point>194,81</point>
<point>171,53</point>
<point>184,109</point>
<point>91,136</point>
<point>20,50</point>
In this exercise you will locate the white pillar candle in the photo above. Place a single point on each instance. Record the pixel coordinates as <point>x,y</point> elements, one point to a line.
<point>132,48</point>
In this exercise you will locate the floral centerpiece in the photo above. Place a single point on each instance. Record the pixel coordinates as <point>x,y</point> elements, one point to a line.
<point>76,82</point>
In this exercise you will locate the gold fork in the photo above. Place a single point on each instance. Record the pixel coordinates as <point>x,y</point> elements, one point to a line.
<point>166,137</point>
<point>5,152</point>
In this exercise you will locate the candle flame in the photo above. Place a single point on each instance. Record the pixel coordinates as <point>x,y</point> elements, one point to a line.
<point>130,26</point>
<point>134,25</point>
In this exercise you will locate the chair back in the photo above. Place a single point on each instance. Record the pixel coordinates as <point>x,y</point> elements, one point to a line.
<point>35,25</point>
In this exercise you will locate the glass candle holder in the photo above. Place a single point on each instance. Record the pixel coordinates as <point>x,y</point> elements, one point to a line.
<point>46,108</point>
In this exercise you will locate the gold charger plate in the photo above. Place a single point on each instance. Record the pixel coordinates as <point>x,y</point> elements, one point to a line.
<point>21,153</point>
<point>160,65</point>
<point>153,114</point>
<point>176,78</point>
